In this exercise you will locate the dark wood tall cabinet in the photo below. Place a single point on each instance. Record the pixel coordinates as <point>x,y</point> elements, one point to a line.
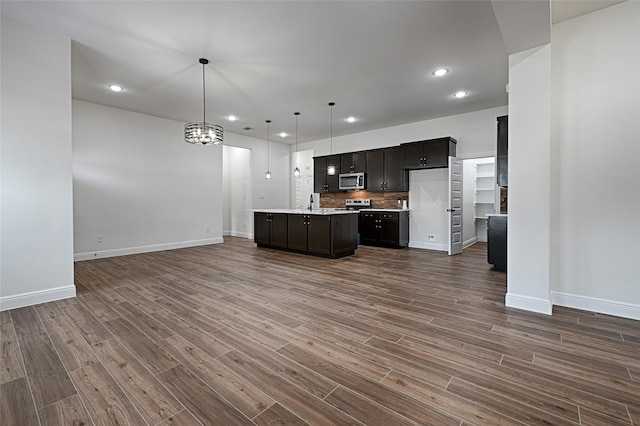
<point>323,181</point>
<point>385,172</point>
<point>502,157</point>
<point>497,242</point>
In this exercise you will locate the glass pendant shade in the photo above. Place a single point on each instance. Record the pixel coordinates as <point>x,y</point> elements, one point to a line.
<point>296,172</point>
<point>331,170</point>
<point>201,132</point>
<point>267,175</point>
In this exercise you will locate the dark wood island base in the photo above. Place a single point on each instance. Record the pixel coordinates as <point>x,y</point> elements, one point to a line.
<point>327,234</point>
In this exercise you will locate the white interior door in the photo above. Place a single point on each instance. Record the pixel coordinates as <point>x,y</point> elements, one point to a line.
<point>455,206</point>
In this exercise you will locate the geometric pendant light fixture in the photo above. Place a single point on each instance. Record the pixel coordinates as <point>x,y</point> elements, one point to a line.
<point>201,132</point>
<point>296,171</point>
<point>331,168</point>
<point>267,175</point>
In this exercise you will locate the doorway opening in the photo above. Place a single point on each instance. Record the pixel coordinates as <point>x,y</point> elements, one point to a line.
<point>480,197</point>
<point>236,192</point>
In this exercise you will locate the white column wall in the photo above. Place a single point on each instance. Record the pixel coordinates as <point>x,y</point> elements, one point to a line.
<point>529,223</point>
<point>596,141</point>
<point>36,243</point>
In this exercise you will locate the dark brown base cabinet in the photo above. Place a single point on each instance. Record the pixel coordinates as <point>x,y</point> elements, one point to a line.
<point>270,229</point>
<point>321,235</point>
<point>497,242</point>
<point>389,229</point>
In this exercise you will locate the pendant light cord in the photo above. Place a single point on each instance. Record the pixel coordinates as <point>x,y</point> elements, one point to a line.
<point>204,102</point>
<point>331,104</point>
<point>268,150</point>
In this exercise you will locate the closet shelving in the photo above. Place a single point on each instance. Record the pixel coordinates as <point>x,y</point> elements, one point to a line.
<point>485,192</point>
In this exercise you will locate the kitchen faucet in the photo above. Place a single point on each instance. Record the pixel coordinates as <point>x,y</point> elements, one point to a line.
<point>310,201</point>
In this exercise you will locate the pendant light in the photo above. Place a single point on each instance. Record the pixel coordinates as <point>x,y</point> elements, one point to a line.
<point>267,175</point>
<point>296,171</point>
<point>331,168</point>
<point>201,132</point>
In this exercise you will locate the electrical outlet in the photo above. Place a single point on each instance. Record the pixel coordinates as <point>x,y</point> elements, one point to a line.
<point>431,237</point>
<point>100,238</point>
<point>206,230</point>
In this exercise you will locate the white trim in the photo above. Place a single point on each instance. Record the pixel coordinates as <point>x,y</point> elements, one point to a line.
<point>593,304</point>
<point>528,303</point>
<point>144,249</point>
<point>471,241</point>
<point>428,246</point>
<point>36,297</point>
<point>238,234</point>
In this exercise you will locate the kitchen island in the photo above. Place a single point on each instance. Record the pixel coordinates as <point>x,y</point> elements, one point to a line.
<point>321,232</point>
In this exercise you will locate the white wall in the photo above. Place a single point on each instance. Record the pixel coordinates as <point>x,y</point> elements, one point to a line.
<point>237,174</point>
<point>36,243</point>
<point>138,185</point>
<point>596,172</point>
<point>529,225</point>
<point>476,136</point>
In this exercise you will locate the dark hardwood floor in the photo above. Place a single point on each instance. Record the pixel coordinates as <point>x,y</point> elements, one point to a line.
<point>231,334</point>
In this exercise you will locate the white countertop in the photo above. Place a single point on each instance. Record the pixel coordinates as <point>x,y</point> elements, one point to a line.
<point>388,210</point>
<point>307,211</point>
<point>497,214</point>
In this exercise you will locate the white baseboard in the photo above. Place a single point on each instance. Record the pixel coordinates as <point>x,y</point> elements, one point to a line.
<point>528,303</point>
<point>428,246</point>
<point>36,297</point>
<point>144,249</point>
<point>592,304</point>
<point>237,234</point>
<point>469,242</point>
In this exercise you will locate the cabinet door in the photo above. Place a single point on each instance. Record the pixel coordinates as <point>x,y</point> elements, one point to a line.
<point>375,170</point>
<point>388,228</point>
<point>502,159</point>
<point>352,162</point>
<point>412,155</point>
<point>297,232</point>
<point>279,230</point>
<point>396,178</point>
<point>319,234</point>
<point>261,228</point>
<point>368,227</point>
<point>333,183</point>
<point>320,174</point>
<point>436,153</point>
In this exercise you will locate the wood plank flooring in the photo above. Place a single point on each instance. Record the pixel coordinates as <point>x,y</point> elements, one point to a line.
<point>230,334</point>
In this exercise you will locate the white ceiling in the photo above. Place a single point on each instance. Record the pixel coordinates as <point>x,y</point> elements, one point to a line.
<point>269,59</point>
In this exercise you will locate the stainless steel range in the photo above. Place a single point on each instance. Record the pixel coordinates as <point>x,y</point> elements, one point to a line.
<point>357,203</point>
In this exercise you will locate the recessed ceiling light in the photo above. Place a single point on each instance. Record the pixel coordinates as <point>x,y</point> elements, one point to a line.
<point>115,88</point>
<point>351,119</point>
<point>460,94</point>
<point>232,118</point>
<point>440,72</point>
<point>283,135</point>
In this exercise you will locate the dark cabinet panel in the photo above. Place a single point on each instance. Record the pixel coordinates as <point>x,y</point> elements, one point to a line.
<point>319,234</point>
<point>261,228</point>
<point>297,232</point>
<point>270,229</point>
<point>353,162</point>
<point>428,154</point>
<point>497,242</point>
<point>384,228</point>
<point>385,172</point>
<point>322,180</point>
<point>502,156</point>
<point>396,177</point>
<point>368,228</point>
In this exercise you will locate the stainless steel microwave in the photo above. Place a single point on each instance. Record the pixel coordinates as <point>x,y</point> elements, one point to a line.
<point>351,181</point>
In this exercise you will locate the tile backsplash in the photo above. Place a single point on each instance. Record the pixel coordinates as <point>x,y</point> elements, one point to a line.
<point>379,200</point>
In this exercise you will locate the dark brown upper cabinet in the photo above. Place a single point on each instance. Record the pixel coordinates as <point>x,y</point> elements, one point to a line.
<point>428,154</point>
<point>353,162</point>
<point>502,156</point>
<point>385,171</point>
